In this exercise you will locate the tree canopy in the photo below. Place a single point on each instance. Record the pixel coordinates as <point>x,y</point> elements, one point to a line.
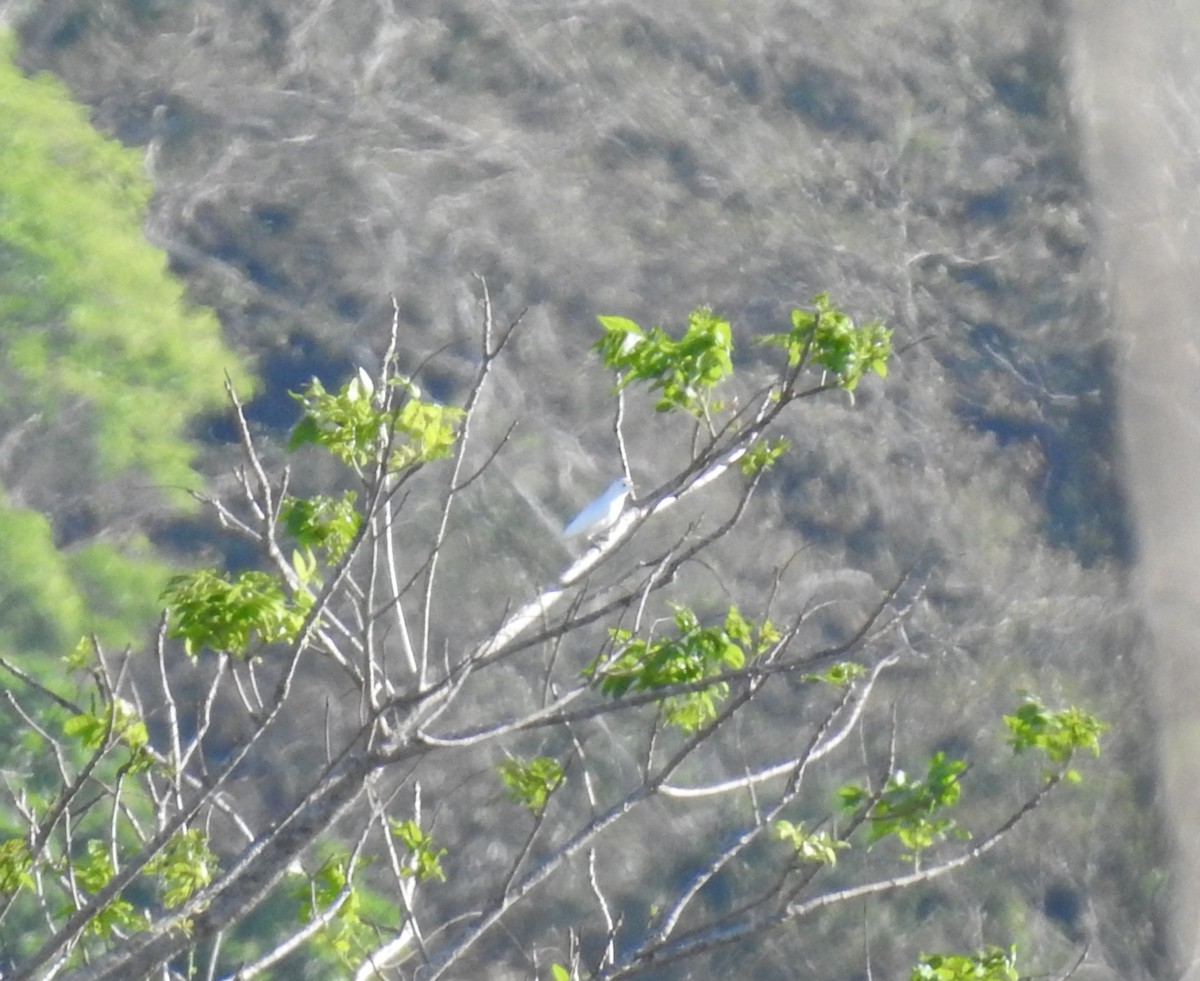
<point>612,700</point>
<point>104,365</point>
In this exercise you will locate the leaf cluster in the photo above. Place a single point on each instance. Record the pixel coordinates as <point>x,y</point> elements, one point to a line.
<point>829,338</point>
<point>353,426</point>
<point>683,371</point>
<point>1057,734</point>
<point>331,894</point>
<point>990,964</point>
<point>531,782</point>
<point>184,864</point>
<point>762,455</point>
<point>207,609</point>
<point>695,653</point>
<point>425,862</point>
<point>810,846</point>
<point>907,808</point>
<point>92,870</point>
<point>325,523</point>
<point>119,721</point>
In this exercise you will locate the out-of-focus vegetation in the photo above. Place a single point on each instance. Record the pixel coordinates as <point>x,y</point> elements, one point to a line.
<point>103,365</point>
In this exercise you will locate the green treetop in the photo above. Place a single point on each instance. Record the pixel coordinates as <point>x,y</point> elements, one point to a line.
<point>102,365</point>
<point>89,311</point>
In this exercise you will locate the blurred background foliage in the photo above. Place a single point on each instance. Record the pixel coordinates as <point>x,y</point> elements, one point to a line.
<point>104,366</point>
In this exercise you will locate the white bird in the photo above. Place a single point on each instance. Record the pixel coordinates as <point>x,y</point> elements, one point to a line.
<point>602,513</point>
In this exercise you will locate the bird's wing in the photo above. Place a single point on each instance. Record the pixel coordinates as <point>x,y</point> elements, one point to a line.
<point>584,519</point>
<point>595,511</point>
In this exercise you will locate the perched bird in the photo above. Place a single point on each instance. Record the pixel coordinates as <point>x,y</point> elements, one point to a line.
<point>602,513</point>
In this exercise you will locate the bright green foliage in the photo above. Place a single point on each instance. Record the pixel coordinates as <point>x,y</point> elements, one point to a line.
<point>839,674</point>
<point>346,934</point>
<point>50,597</point>
<point>429,429</point>
<point>89,310</point>
<point>354,914</point>
<point>531,782</point>
<point>304,563</point>
<point>757,637</point>
<point>15,866</point>
<point>1057,734</point>
<point>684,371</point>
<point>817,846</point>
<point>559,973</point>
<point>350,424</point>
<point>92,871</point>
<point>696,653</point>
<point>185,864</point>
<point>325,523</point>
<point>209,610</point>
<point>763,454</point>
<point>425,862</point>
<point>908,808</point>
<point>80,657</point>
<point>829,338</point>
<point>119,586</point>
<point>100,355</point>
<point>42,607</point>
<point>347,422</point>
<point>990,964</point>
<point>117,721</point>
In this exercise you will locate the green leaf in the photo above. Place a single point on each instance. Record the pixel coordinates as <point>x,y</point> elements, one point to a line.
<point>531,782</point>
<point>762,454</point>
<point>852,797</point>
<point>694,654</point>
<point>324,523</point>
<point>355,430</point>
<point>118,720</point>
<point>989,964</point>
<point>840,674</point>
<point>80,657</point>
<point>684,372</point>
<point>16,862</point>
<point>1057,734</point>
<point>818,846</point>
<point>304,563</point>
<point>559,973</point>
<point>345,936</point>
<point>185,864</point>
<point>209,610</point>
<point>908,809</point>
<point>827,337</point>
<point>426,860</point>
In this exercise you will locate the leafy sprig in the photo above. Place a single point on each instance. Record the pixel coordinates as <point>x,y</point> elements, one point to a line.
<point>210,610</point>
<point>1057,734</point>
<point>989,964</point>
<point>826,336</point>
<point>352,426</point>
<point>531,782</point>
<point>696,653</point>
<point>810,846</point>
<point>683,371</point>
<point>908,808</point>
